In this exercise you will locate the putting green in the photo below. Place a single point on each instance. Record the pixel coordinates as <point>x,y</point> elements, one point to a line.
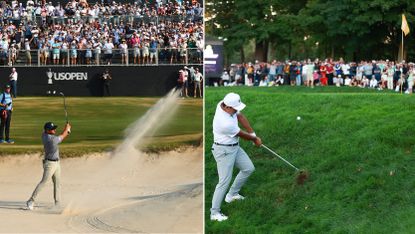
<point>98,124</point>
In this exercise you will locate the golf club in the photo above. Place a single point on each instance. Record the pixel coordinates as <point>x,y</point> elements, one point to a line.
<point>301,177</point>
<point>64,106</point>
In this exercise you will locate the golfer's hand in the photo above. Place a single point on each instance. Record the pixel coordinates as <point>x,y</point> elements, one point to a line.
<point>68,127</point>
<point>258,141</point>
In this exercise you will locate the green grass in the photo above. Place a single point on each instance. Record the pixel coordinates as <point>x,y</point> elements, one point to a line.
<point>98,124</point>
<point>349,139</point>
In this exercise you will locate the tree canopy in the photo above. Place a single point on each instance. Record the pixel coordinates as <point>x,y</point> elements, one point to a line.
<point>286,29</point>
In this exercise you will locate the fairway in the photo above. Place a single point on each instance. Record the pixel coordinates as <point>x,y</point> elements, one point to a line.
<point>357,144</point>
<point>98,124</point>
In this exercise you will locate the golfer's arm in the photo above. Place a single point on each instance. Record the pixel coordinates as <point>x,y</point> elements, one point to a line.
<point>244,135</point>
<point>64,133</point>
<point>245,123</point>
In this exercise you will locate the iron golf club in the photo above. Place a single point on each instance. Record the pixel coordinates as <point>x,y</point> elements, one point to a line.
<point>301,177</point>
<point>64,106</point>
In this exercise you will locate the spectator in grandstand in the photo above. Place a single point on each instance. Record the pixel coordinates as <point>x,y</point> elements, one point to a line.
<point>83,22</point>
<point>56,46</point>
<point>97,51</point>
<point>174,52</point>
<point>64,52</point>
<point>74,53</point>
<point>136,44</point>
<point>13,53</point>
<point>146,51</point>
<point>153,50</point>
<point>108,47</point>
<point>27,52</point>
<point>88,52</point>
<point>183,51</point>
<point>124,52</point>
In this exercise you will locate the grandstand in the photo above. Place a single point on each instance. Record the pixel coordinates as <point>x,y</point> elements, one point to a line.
<point>73,33</point>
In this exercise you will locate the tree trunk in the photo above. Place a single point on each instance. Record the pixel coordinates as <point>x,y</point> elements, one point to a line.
<point>242,52</point>
<point>261,51</point>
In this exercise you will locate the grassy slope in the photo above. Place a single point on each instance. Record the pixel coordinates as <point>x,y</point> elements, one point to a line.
<point>348,139</point>
<point>98,123</point>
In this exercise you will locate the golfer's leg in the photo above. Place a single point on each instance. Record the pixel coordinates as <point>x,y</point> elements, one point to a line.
<point>56,178</point>
<point>246,167</point>
<point>47,173</point>
<point>225,164</point>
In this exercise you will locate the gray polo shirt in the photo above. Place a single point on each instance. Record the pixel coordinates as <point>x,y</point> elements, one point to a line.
<point>50,145</point>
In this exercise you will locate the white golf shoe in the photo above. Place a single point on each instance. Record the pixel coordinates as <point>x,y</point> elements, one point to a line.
<point>218,217</point>
<point>229,198</point>
<point>30,204</point>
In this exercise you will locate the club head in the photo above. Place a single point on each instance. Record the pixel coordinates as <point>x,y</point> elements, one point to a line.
<point>61,94</point>
<point>302,176</point>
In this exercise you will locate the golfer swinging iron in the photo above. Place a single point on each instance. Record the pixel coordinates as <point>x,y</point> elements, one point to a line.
<point>227,152</point>
<point>51,165</point>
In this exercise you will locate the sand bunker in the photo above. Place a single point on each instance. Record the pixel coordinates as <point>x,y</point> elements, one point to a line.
<point>163,193</point>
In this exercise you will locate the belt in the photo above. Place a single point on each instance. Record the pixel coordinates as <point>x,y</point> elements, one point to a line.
<point>226,144</point>
<point>52,160</point>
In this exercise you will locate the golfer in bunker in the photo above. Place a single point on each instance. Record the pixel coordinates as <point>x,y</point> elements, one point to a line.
<point>227,152</point>
<point>51,165</point>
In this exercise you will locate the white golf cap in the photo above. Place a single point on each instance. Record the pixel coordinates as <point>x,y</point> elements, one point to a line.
<point>233,100</point>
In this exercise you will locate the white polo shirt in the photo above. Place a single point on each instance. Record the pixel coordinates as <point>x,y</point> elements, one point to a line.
<point>13,76</point>
<point>225,127</point>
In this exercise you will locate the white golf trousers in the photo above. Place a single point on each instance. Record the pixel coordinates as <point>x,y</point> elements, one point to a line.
<point>226,158</point>
<point>50,169</point>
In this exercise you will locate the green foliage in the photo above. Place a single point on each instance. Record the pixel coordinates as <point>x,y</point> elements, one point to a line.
<point>352,29</point>
<point>357,145</point>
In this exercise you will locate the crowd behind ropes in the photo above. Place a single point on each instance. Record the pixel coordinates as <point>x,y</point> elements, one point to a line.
<point>381,74</point>
<point>81,32</point>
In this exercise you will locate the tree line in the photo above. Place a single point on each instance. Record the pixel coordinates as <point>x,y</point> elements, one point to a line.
<point>286,29</point>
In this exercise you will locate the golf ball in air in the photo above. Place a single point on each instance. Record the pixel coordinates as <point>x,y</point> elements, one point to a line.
<point>298,118</point>
<point>54,91</point>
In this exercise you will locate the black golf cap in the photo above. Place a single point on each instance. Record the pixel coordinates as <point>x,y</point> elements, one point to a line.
<point>7,86</point>
<point>50,126</point>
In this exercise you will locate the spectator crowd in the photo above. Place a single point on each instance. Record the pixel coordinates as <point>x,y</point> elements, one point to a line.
<point>81,32</point>
<point>381,74</point>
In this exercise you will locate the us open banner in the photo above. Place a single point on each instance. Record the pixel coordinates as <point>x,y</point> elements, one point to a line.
<point>87,81</point>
